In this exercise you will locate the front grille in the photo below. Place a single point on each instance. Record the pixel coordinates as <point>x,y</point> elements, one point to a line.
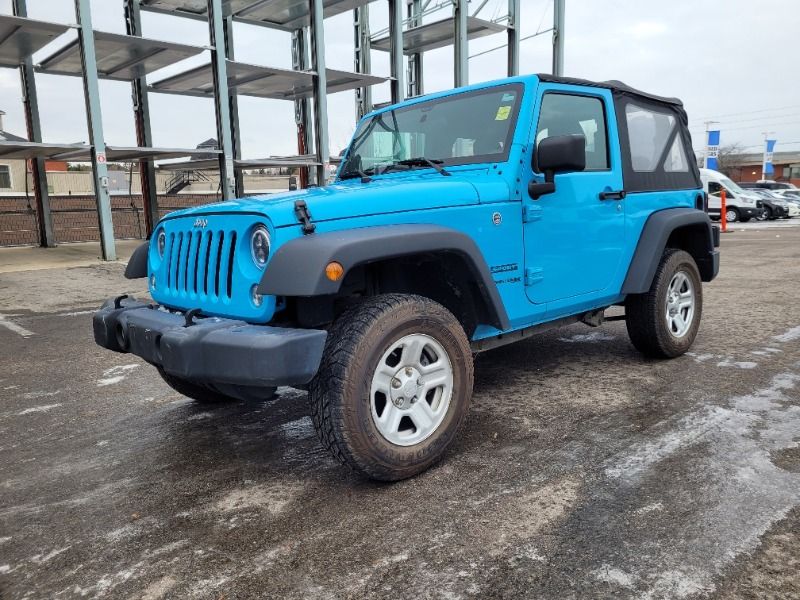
<point>200,264</point>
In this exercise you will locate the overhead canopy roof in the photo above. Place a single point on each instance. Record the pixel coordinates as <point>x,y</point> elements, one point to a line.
<point>261,82</point>
<point>128,154</point>
<point>20,38</point>
<point>119,57</point>
<point>279,14</point>
<point>438,34</point>
<point>305,160</point>
<point>26,150</point>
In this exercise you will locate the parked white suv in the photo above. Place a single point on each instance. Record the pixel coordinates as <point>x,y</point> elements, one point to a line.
<point>741,205</point>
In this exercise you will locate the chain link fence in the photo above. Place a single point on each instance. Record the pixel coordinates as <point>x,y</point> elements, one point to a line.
<point>75,217</point>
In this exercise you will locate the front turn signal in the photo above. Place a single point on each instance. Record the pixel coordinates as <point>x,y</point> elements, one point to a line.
<point>334,271</point>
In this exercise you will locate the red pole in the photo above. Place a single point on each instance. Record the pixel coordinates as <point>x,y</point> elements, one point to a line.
<point>723,217</point>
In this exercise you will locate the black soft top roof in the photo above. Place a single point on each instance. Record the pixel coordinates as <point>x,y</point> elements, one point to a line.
<point>613,85</point>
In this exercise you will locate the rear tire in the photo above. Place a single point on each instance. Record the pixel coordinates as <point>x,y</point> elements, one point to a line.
<point>394,386</point>
<point>663,322</point>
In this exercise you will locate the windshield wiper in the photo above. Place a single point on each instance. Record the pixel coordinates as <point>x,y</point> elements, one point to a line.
<point>421,161</point>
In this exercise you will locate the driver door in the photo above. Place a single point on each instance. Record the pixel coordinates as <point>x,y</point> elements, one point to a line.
<point>574,237</point>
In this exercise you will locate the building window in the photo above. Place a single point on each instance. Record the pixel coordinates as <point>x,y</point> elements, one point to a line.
<point>5,177</point>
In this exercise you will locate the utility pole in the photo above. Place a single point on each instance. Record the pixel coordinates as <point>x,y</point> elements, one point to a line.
<point>558,37</point>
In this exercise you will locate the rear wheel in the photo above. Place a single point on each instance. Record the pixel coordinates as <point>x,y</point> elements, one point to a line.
<point>663,322</point>
<point>393,387</point>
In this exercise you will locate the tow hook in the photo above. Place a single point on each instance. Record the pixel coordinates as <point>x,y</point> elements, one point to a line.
<point>189,318</point>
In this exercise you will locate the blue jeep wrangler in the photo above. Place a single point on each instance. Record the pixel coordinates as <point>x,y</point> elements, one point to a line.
<point>458,222</point>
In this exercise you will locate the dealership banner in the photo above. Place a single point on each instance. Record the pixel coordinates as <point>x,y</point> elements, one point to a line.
<point>768,150</point>
<point>712,149</point>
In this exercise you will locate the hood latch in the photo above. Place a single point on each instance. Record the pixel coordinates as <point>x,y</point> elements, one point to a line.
<point>304,216</point>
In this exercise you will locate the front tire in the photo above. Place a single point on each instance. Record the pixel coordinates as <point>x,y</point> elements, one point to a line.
<point>394,386</point>
<point>764,214</point>
<point>663,322</point>
<point>732,214</point>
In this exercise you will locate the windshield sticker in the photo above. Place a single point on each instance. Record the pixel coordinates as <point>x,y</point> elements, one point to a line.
<point>502,113</point>
<point>508,98</point>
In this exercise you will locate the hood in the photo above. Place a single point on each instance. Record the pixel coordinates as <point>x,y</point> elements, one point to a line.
<point>351,198</point>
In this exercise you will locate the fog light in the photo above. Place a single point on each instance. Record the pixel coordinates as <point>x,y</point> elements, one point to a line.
<point>153,281</point>
<point>256,298</point>
<point>334,271</point>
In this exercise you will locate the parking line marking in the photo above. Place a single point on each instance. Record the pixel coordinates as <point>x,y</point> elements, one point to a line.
<point>11,326</point>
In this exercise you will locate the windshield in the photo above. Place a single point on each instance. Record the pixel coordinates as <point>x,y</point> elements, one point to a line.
<point>466,128</point>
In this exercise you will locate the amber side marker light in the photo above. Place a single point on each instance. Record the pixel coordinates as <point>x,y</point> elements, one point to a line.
<point>334,271</point>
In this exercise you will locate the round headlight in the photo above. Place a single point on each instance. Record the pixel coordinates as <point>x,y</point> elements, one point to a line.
<point>259,245</point>
<point>162,243</point>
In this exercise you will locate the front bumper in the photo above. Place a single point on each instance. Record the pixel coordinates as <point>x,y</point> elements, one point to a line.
<point>210,350</point>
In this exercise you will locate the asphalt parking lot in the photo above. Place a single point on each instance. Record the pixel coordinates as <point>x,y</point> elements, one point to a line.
<point>583,471</point>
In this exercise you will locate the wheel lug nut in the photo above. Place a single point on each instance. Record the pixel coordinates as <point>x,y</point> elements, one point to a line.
<point>419,381</point>
<point>409,371</point>
<point>395,382</point>
<point>414,400</point>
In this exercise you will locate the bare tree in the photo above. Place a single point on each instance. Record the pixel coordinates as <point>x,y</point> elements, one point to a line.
<point>729,159</point>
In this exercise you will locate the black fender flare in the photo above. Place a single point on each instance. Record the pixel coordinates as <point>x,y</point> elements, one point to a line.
<point>137,265</point>
<point>298,266</point>
<point>653,240</point>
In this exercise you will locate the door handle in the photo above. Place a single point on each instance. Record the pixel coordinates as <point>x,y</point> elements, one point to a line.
<point>618,195</point>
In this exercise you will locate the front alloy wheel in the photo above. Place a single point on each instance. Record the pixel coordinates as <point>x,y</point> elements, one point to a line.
<point>731,215</point>
<point>680,304</point>
<point>393,387</point>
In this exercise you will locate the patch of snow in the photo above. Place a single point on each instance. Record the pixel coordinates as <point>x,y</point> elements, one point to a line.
<point>595,336</point>
<point>608,574</point>
<point>649,508</point>
<point>790,336</point>
<point>728,362</point>
<point>115,374</point>
<point>38,409</point>
<point>298,429</point>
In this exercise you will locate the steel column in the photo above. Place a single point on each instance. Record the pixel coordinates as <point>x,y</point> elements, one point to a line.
<point>317,32</point>
<point>144,134</point>
<point>363,62</point>
<point>233,102</point>
<point>415,71</point>
<point>461,56</point>
<point>513,37</point>
<point>558,37</point>
<point>302,108</point>
<point>216,25</point>
<point>94,117</point>
<point>34,128</point>
<point>396,49</point>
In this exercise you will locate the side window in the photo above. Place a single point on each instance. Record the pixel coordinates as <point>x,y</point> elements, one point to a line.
<point>649,132</point>
<point>5,177</point>
<point>565,114</point>
<point>714,188</point>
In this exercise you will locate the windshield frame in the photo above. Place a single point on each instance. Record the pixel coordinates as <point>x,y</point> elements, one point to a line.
<point>370,121</point>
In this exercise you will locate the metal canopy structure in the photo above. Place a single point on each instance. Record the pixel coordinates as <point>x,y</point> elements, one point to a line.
<point>135,153</point>
<point>438,34</point>
<point>20,38</point>
<point>286,15</point>
<point>119,57</point>
<point>28,150</point>
<point>305,160</point>
<point>261,82</point>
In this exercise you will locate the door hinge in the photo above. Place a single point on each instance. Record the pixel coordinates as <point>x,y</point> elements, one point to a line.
<point>531,212</point>
<point>533,275</point>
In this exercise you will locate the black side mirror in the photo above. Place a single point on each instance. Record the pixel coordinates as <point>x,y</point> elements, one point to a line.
<point>553,155</point>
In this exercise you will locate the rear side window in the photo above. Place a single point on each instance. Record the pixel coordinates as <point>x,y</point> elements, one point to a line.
<point>566,114</point>
<point>649,132</point>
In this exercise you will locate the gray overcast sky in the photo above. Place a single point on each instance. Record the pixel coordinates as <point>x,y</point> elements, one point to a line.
<point>732,61</point>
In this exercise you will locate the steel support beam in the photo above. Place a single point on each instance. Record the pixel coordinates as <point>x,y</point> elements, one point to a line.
<point>363,62</point>
<point>302,108</point>
<point>34,127</point>
<point>94,118</point>
<point>216,24</point>
<point>233,100</point>
<point>513,37</point>
<point>144,134</point>
<point>396,49</point>
<point>415,71</point>
<point>317,33</point>
<point>558,37</point>
<point>461,47</point>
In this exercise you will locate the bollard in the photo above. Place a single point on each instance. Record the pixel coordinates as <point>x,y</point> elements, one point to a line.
<point>723,217</point>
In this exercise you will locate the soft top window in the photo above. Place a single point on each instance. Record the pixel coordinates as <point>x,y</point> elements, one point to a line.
<point>656,145</point>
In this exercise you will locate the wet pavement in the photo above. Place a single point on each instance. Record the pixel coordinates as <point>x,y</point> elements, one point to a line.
<point>584,470</point>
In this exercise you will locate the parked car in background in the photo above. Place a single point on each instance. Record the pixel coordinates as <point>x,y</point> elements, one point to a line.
<point>767,184</point>
<point>740,205</point>
<point>778,206</point>
<point>791,196</point>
